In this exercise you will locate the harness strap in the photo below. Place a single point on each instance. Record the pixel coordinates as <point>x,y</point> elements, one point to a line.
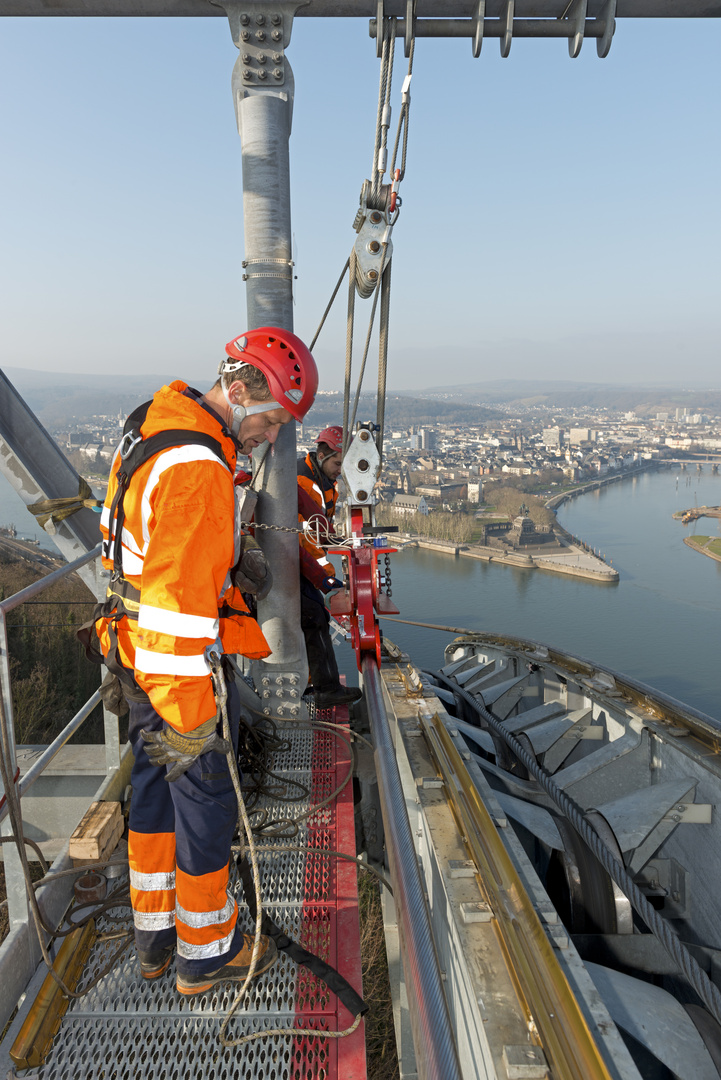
<point>226,611</point>
<point>135,451</point>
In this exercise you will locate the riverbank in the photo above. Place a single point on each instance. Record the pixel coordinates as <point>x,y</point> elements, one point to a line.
<point>711,545</point>
<point>573,560</point>
<point>557,500</point>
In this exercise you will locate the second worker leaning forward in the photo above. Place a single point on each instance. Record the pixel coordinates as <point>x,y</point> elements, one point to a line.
<point>170,543</point>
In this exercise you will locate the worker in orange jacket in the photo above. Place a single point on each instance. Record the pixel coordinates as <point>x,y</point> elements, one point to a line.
<point>317,497</point>
<point>172,543</point>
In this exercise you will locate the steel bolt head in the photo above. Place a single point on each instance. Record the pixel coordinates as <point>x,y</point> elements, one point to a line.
<point>275,19</point>
<point>246,58</point>
<point>244,19</point>
<point>365,436</point>
<point>372,275</point>
<point>266,712</point>
<point>376,217</point>
<point>260,20</point>
<point>247,74</point>
<point>277,35</point>
<point>260,35</point>
<point>362,494</point>
<point>265,681</point>
<point>262,58</point>
<point>277,73</point>
<point>245,35</point>
<point>277,57</point>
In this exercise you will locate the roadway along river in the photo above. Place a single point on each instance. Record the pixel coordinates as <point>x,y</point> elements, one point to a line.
<point>661,623</point>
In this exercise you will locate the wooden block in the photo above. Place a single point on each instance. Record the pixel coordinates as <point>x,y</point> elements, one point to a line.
<point>98,832</point>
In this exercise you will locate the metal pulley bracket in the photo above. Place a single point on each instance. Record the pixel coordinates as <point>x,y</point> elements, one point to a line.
<point>361,468</point>
<point>373,246</point>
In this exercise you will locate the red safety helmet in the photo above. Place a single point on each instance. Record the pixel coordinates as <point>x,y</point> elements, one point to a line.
<point>332,437</point>
<point>284,360</point>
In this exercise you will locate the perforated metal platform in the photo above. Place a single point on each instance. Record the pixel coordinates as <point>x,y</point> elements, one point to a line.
<point>126,1028</point>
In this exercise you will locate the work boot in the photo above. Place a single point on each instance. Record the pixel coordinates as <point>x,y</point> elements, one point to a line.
<point>154,964</point>
<point>235,970</point>
<point>337,695</point>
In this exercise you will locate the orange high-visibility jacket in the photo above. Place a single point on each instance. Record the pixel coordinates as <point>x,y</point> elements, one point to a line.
<point>180,540</point>
<point>323,494</point>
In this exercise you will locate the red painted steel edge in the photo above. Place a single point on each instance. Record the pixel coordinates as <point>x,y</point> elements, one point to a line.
<point>333,1059</point>
<point>351,1050</point>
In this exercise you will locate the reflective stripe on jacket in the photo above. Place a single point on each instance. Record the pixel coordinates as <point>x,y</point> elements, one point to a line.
<point>317,493</point>
<point>180,540</point>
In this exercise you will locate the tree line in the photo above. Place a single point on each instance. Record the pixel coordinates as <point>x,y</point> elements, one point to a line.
<point>50,676</point>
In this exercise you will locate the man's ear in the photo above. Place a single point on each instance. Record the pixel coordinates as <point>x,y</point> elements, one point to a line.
<point>238,393</point>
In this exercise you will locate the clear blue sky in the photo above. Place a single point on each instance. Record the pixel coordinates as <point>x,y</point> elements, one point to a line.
<point>561,218</point>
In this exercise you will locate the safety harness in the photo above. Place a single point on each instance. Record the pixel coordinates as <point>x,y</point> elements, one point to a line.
<point>122,598</point>
<point>316,474</point>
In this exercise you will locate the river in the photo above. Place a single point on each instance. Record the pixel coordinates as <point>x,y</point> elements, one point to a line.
<point>661,623</point>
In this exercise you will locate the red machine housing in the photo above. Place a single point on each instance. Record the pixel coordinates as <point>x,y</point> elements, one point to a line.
<point>363,600</point>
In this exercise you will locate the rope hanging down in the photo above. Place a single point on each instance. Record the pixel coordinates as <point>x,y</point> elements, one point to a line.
<point>369,263</point>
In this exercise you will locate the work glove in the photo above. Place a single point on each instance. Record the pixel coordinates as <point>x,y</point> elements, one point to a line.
<point>332,583</point>
<point>252,574</point>
<point>180,749</point>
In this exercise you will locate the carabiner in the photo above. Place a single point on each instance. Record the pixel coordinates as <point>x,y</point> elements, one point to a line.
<point>131,438</point>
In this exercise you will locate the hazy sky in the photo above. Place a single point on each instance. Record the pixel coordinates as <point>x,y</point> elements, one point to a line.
<point>561,218</point>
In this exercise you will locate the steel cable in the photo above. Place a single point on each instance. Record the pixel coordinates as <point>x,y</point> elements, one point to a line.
<point>403,120</point>
<point>697,977</point>
<point>330,305</point>
<point>383,355</point>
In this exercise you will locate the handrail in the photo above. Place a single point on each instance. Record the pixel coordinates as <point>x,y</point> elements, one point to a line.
<point>433,1037</point>
<point>41,763</point>
<point>17,907</point>
<point>29,591</point>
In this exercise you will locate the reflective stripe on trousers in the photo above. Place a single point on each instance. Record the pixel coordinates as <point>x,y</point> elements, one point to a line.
<point>179,850</point>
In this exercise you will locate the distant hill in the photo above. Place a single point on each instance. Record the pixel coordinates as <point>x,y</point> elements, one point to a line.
<point>59,399</point>
<point>56,399</point>
<point>402,411</point>
<point>641,399</point>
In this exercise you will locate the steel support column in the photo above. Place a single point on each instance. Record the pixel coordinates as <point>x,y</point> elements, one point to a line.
<point>263,97</point>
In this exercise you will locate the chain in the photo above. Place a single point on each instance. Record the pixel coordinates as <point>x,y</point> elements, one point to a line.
<point>271,528</point>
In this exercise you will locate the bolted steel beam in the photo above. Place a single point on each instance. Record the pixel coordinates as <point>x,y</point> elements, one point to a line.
<point>425,9</point>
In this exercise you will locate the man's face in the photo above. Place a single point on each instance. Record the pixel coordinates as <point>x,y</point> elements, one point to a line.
<point>331,465</point>
<point>261,427</point>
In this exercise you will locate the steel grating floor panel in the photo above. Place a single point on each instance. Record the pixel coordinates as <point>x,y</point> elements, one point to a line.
<point>126,1027</point>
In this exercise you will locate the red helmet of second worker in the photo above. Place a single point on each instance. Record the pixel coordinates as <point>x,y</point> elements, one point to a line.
<point>332,437</point>
<point>285,361</point>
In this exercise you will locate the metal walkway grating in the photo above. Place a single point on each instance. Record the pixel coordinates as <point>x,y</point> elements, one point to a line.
<point>126,1028</point>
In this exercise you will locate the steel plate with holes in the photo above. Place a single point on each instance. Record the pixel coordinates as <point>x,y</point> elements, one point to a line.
<point>126,1028</point>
